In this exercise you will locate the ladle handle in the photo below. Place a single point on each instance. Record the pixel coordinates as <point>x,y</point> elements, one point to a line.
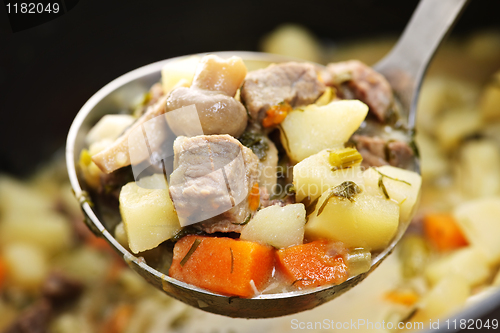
<point>415,48</point>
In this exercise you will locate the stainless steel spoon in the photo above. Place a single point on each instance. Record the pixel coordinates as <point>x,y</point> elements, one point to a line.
<point>404,67</point>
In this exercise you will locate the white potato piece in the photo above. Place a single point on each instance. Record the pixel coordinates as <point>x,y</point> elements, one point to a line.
<point>469,263</point>
<point>49,231</point>
<point>448,296</point>
<point>109,127</point>
<point>148,214</point>
<point>85,264</point>
<point>456,124</point>
<point>277,226</point>
<point>478,171</point>
<point>405,195</point>
<point>120,235</point>
<point>179,72</point>
<point>18,197</point>
<point>313,176</point>
<point>309,131</point>
<point>27,266</point>
<point>293,41</point>
<point>480,222</point>
<point>368,221</point>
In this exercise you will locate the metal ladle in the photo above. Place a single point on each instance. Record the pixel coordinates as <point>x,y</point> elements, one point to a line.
<point>404,67</point>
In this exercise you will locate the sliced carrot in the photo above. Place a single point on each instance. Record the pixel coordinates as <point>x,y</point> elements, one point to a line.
<point>404,297</point>
<point>227,266</point>
<point>313,264</point>
<point>3,272</point>
<point>443,232</point>
<point>254,197</point>
<point>276,114</point>
<point>118,321</point>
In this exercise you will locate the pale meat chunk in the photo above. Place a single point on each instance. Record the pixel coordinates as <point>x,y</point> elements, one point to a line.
<point>213,175</point>
<point>295,83</point>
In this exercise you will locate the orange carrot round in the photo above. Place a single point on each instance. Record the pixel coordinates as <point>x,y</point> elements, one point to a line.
<point>223,265</point>
<point>312,264</point>
<point>443,232</point>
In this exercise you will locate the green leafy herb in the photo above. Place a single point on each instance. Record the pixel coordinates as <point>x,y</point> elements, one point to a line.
<point>299,280</point>
<point>413,144</point>
<point>347,190</point>
<point>232,260</point>
<point>382,187</point>
<point>310,205</point>
<point>193,248</point>
<point>286,143</point>
<point>256,142</point>
<point>244,222</point>
<point>189,230</point>
<point>398,180</point>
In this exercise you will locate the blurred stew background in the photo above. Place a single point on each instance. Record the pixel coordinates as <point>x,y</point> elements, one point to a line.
<point>48,259</point>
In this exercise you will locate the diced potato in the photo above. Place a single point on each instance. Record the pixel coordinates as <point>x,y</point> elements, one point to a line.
<point>17,197</point>
<point>179,72</point>
<point>448,296</point>
<point>313,176</point>
<point>109,127</point>
<point>293,41</point>
<point>469,263</point>
<point>480,223</point>
<point>478,171</point>
<point>454,125</point>
<point>277,226</point>
<point>86,264</point>
<point>121,235</point>
<point>27,266</point>
<point>148,214</point>
<point>307,132</point>
<point>49,231</point>
<point>402,193</point>
<point>433,162</point>
<point>369,221</point>
<point>490,100</point>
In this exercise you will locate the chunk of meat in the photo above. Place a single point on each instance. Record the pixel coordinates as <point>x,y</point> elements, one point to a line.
<point>117,155</point>
<point>212,92</point>
<point>355,80</point>
<point>59,288</point>
<point>34,320</point>
<point>213,175</point>
<point>377,151</point>
<point>295,83</point>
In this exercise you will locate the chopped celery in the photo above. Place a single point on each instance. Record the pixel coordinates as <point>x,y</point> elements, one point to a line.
<point>413,253</point>
<point>359,261</point>
<point>345,158</point>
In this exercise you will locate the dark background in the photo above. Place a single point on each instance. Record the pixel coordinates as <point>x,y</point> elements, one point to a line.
<point>49,71</point>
